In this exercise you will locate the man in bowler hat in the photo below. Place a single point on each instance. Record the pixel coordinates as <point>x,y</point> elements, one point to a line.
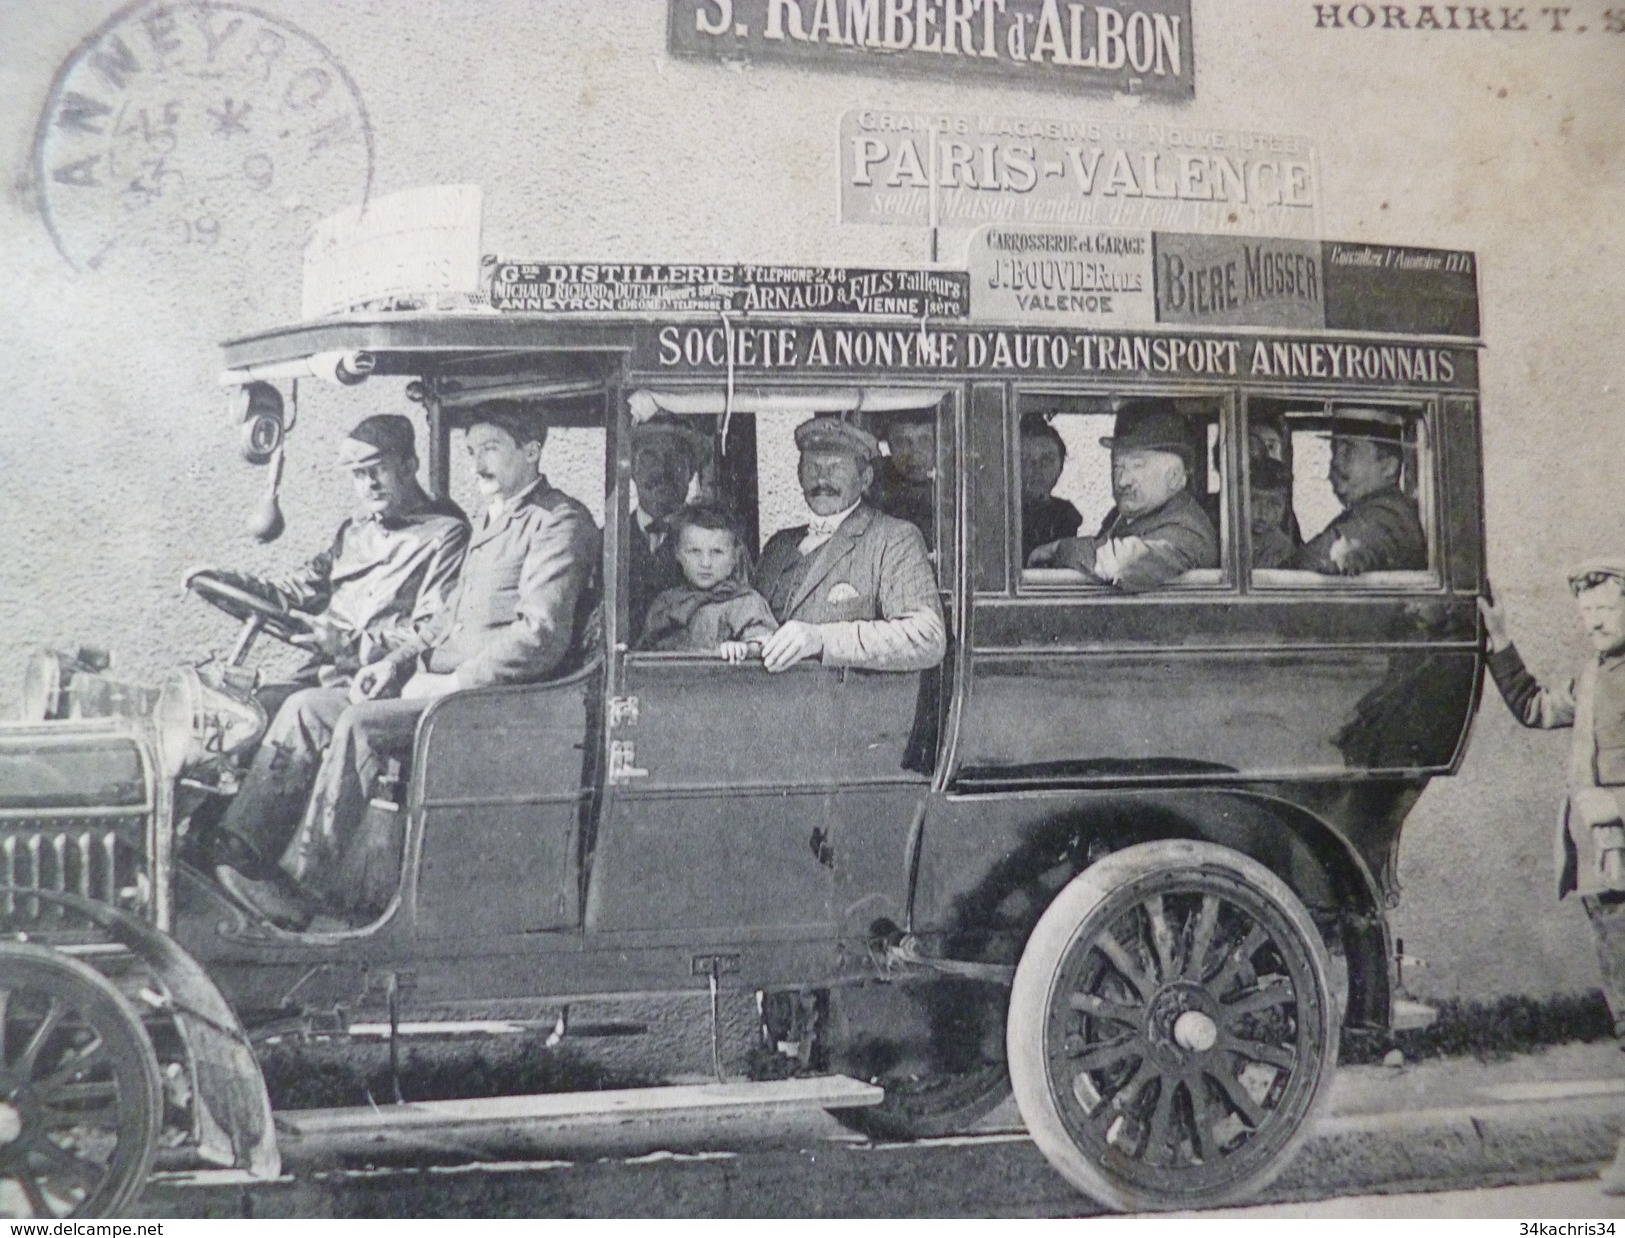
<point>1157,528</point>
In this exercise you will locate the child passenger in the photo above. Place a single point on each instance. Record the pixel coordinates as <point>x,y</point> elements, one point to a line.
<point>716,611</point>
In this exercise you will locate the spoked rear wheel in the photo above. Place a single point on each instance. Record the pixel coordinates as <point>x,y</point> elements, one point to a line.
<point>1172,1029</point>
<point>80,1097</point>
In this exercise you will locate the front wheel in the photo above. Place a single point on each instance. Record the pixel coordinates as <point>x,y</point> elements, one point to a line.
<point>1172,1029</point>
<point>81,1101</point>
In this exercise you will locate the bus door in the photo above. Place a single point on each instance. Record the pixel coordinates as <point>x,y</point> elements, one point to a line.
<point>747,806</point>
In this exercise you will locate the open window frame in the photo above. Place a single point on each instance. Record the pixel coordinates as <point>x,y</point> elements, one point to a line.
<point>1214,483</point>
<point>1420,481</point>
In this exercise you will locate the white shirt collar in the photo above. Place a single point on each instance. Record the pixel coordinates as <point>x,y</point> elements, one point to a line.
<point>821,528</point>
<point>502,507</point>
<point>825,526</point>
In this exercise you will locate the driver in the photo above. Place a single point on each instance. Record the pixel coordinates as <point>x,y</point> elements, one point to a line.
<point>391,568</point>
<point>522,607</point>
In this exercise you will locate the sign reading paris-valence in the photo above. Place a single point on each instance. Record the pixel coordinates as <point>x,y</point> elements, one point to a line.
<point>1138,46</point>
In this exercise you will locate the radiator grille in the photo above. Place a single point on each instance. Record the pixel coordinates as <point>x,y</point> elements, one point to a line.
<point>90,857</point>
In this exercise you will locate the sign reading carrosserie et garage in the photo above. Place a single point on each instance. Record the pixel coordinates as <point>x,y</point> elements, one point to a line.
<point>1143,46</point>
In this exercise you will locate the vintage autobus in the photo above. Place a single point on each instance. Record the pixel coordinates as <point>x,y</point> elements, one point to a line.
<point>1129,850</point>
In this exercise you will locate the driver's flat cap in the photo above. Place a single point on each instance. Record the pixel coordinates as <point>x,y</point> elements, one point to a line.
<point>1589,573</point>
<point>382,434</point>
<point>833,434</point>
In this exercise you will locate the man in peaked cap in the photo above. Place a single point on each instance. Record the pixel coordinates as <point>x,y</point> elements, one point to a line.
<point>389,571</point>
<point>1157,528</point>
<point>1590,839</point>
<point>521,612</point>
<point>853,586</point>
<point>1378,530</point>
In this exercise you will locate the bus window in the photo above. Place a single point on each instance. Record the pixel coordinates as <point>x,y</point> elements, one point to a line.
<point>1339,493</point>
<point>751,472</point>
<point>1157,520</point>
<point>905,482</point>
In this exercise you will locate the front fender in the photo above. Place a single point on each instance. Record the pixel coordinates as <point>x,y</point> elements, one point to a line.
<point>234,1124</point>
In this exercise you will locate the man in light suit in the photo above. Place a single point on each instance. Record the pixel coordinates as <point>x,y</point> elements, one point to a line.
<point>521,607</point>
<point>853,587</point>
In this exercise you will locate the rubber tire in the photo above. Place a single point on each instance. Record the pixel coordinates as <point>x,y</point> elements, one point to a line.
<point>1048,948</point>
<point>27,967</point>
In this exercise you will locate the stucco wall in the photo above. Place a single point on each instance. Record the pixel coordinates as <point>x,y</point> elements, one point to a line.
<point>118,466</point>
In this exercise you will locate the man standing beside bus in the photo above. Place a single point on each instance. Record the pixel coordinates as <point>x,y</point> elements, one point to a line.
<point>854,586</point>
<point>1591,831</point>
<point>1157,529</point>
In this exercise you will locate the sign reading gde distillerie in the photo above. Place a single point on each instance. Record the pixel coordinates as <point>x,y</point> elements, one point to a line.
<point>1129,45</point>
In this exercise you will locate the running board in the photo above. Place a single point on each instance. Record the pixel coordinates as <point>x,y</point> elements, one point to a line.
<point>570,1111</point>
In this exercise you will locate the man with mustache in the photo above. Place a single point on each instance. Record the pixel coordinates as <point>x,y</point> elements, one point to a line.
<point>521,607</point>
<point>1157,528</point>
<point>1590,850</point>
<point>1378,530</point>
<point>666,458</point>
<point>389,571</point>
<point>854,586</point>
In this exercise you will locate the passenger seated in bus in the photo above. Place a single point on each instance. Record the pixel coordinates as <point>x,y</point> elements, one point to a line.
<point>1267,439</point>
<point>1271,493</point>
<point>1379,530</point>
<point>520,608</point>
<point>1157,529</point>
<point>1045,517</point>
<point>905,482</point>
<point>853,586</point>
<point>715,610</point>
<point>667,457</point>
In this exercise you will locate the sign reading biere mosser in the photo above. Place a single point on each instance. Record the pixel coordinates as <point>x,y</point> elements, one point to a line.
<point>1143,46</point>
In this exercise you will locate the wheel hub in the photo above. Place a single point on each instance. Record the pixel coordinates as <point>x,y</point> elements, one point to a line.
<point>1181,1020</point>
<point>1195,1031</point>
<point>11,1124</point>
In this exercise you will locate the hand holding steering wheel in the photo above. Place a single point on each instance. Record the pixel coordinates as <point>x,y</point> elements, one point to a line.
<point>258,614</point>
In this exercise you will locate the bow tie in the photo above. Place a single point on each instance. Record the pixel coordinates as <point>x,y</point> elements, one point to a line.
<point>823,526</point>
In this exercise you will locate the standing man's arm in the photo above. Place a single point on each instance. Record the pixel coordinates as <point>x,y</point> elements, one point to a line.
<point>1545,708</point>
<point>557,568</point>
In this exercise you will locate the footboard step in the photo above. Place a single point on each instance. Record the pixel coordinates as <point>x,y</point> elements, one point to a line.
<point>822,1092</point>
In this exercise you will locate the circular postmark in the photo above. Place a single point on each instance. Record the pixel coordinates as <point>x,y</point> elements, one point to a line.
<point>182,126</point>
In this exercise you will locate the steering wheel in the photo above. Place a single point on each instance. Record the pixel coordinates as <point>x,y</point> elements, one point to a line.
<point>257,614</point>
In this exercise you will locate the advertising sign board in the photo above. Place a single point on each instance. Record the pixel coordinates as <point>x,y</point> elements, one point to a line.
<point>1138,46</point>
<point>1062,276</point>
<point>712,287</point>
<point>921,169</point>
<point>418,244</point>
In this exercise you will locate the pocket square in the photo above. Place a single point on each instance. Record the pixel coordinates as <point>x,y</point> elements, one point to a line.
<point>842,592</point>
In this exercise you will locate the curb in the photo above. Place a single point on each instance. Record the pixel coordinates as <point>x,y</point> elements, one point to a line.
<point>989,1174</point>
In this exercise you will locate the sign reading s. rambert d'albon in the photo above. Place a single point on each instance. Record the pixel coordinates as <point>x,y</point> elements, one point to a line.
<point>1142,46</point>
